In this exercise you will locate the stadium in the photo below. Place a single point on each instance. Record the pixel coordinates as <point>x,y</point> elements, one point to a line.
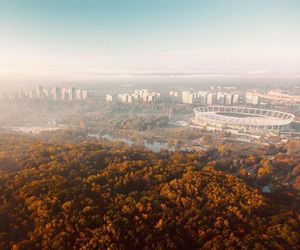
<point>241,119</point>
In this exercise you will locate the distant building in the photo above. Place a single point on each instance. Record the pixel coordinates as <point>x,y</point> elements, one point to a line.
<point>145,98</point>
<point>173,93</point>
<point>228,99</point>
<point>210,100</point>
<point>130,99</point>
<point>235,98</point>
<point>221,98</point>
<point>72,94</point>
<point>135,97</point>
<point>79,94</point>
<point>56,94</point>
<point>109,98</point>
<point>256,100</point>
<point>85,94</point>
<point>64,94</point>
<point>47,92</point>
<point>188,97</point>
<point>252,99</point>
<point>201,97</point>
<point>138,95</point>
<point>40,92</point>
<point>123,97</point>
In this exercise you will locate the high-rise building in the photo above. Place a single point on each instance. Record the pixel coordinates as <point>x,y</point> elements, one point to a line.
<point>188,97</point>
<point>109,98</point>
<point>64,94</point>
<point>173,93</point>
<point>252,99</point>
<point>46,92</point>
<point>235,98</point>
<point>202,97</point>
<point>145,98</point>
<point>138,95</point>
<point>255,100</point>
<point>130,99</point>
<point>123,97</point>
<point>79,94</point>
<point>228,99</point>
<point>56,94</point>
<point>72,94</point>
<point>40,92</point>
<point>184,95</point>
<point>210,99</point>
<point>220,98</point>
<point>135,97</point>
<point>85,94</point>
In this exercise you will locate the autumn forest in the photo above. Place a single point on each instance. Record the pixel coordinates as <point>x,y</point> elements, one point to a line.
<point>57,194</point>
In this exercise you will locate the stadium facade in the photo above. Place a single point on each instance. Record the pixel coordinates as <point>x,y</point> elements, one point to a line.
<point>241,119</point>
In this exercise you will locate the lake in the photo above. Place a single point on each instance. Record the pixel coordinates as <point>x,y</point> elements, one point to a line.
<point>155,146</point>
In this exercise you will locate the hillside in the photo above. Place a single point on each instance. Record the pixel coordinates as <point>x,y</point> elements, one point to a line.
<point>101,195</point>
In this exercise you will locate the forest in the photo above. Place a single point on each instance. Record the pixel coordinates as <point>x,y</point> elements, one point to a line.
<point>57,193</point>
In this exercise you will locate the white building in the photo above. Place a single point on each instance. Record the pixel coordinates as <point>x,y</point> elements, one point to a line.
<point>228,99</point>
<point>252,99</point>
<point>130,99</point>
<point>123,97</point>
<point>64,94</point>
<point>174,93</point>
<point>210,99</point>
<point>109,98</point>
<point>85,94</point>
<point>47,92</point>
<point>188,97</point>
<point>235,99</point>
<point>255,100</point>
<point>79,94</point>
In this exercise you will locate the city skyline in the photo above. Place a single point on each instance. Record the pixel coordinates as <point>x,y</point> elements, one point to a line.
<point>98,40</point>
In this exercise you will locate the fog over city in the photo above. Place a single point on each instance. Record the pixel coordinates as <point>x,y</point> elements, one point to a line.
<point>59,41</point>
<point>149,124</point>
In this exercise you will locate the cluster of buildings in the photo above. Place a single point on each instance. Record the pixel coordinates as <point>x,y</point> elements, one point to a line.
<point>41,93</point>
<point>209,98</point>
<point>279,97</point>
<point>139,95</point>
<point>252,98</point>
<point>174,93</point>
<point>214,96</point>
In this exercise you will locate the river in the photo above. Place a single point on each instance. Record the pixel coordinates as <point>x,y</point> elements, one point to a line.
<point>155,146</point>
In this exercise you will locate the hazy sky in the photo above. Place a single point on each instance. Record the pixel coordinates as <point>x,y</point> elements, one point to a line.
<point>74,39</point>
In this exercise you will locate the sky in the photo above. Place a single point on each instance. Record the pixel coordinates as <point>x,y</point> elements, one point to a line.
<point>68,40</point>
